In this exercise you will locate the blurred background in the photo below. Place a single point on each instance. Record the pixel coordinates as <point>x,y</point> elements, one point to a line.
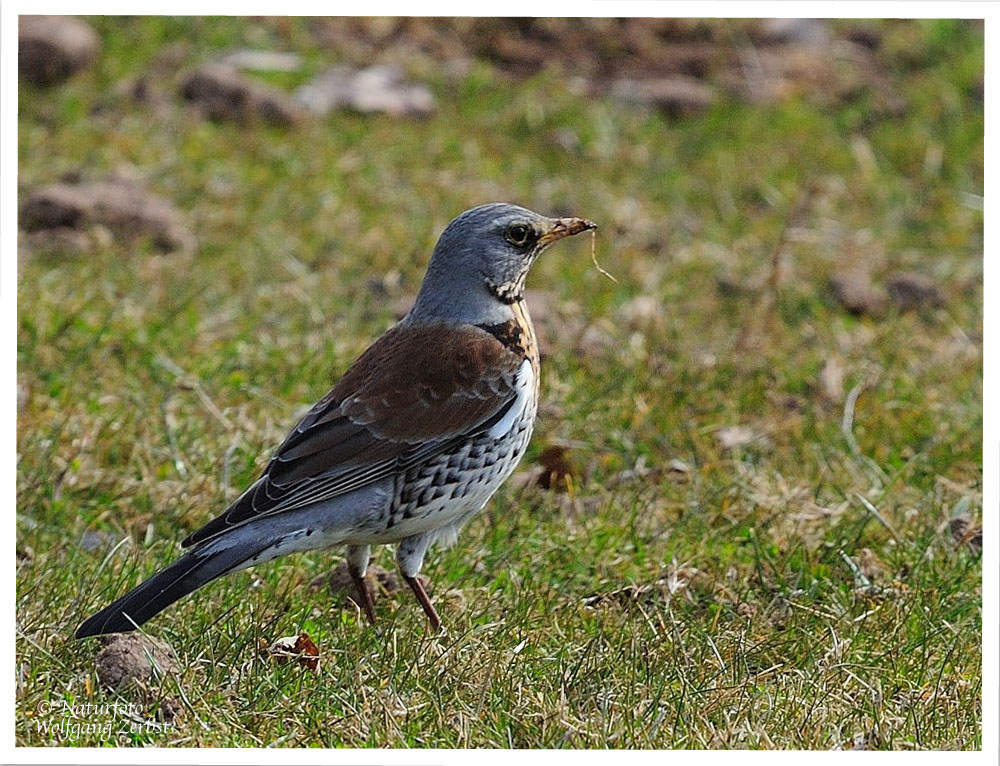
<point>780,401</point>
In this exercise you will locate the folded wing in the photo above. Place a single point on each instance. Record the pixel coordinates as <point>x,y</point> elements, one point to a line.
<point>416,392</point>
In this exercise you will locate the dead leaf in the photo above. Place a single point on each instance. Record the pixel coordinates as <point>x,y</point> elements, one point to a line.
<point>300,648</point>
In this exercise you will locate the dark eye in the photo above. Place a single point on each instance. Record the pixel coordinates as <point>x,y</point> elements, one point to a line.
<point>518,234</point>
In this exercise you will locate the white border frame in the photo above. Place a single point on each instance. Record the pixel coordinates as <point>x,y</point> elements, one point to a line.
<point>583,8</point>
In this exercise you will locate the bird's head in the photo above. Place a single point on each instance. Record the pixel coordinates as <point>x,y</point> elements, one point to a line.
<point>482,259</point>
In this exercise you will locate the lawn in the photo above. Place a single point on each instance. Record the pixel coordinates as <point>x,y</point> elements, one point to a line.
<point>762,532</point>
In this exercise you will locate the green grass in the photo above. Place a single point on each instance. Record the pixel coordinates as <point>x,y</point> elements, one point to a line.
<point>729,615</point>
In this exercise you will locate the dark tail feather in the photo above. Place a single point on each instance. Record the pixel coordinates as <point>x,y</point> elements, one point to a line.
<point>185,575</point>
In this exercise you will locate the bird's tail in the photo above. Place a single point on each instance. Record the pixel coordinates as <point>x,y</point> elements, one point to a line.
<point>185,575</point>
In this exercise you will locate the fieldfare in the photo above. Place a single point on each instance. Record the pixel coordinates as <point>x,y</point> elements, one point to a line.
<point>410,444</point>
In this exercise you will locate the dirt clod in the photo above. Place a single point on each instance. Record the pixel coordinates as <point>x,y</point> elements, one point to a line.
<point>126,209</point>
<point>133,658</point>
<point>223,94</point>
<point>51,49</point>
<point>910,290</point>
<point>854,291</point>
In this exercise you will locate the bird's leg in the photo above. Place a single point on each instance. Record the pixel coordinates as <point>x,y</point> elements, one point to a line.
<point>410,558</point>
<point>425,602</point>
<point>357,565</point>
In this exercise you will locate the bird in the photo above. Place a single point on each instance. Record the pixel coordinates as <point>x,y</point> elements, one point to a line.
<point>410,443</point>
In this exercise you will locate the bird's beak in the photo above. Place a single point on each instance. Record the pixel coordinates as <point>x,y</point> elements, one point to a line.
<point>565,227</point>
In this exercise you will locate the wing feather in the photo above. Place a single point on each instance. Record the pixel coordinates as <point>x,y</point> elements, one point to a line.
<point>416,392</point>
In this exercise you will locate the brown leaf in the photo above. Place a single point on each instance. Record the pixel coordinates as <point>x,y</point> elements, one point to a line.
<point>300,648</point>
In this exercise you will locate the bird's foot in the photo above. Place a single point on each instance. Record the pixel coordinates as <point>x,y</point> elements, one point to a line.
<point>364,596</point>
<point>425,602</point>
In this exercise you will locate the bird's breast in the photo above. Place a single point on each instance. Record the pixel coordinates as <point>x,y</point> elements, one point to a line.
<point>517,335</point>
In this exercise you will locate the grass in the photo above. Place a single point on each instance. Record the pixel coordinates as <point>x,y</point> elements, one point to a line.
<point>713,606</point>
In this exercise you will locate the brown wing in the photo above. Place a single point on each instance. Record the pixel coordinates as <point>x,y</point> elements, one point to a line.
<point>412,394</point>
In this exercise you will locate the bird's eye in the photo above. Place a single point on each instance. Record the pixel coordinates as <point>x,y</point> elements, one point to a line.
<point>518,234</point>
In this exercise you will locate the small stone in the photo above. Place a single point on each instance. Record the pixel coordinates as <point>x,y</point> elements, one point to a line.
<point>94,539</point>
<point>595,341</point>
<point>23,394</point>
<point>910,290</point>
<point>134,658</point>
<point>675,465</point>
<point>51,49</point>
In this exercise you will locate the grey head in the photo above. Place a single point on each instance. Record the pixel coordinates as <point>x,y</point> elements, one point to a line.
<point>481,260</point>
